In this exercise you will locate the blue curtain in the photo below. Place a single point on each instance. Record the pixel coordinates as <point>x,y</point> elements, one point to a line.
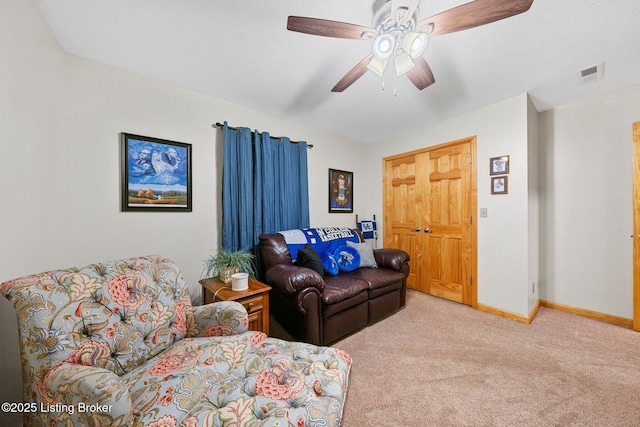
<point>264,186</point>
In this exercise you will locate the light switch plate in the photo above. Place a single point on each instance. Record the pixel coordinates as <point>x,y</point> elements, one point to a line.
<point>484,213</point>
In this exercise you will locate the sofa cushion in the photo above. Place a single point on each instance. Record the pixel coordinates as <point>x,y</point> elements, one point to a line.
<point>274,250</point>
<point>365,249</point>
<point>344,297</point>
<point>377,278</point>
<point>342,287</point>
<point>308,257</point>
<point>347,258</point>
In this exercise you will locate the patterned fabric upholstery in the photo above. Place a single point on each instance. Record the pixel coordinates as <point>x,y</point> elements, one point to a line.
<point>120,344</point>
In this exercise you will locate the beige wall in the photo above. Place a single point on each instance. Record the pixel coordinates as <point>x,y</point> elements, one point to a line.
<point>33,153</point>
<point>586,197</point>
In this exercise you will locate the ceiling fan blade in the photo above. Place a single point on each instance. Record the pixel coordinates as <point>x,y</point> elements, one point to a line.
<point>421,75</point>
<point>473,14</point>
<point>354,74</point>
<point>327,28</point>
<point>403,10</point>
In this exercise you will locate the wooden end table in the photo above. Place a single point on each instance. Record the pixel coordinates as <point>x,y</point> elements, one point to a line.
<point>255,300</point>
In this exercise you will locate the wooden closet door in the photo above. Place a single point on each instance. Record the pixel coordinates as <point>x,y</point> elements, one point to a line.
<point>447,221</point>
<point>402,208</point>
<point>429,206</point>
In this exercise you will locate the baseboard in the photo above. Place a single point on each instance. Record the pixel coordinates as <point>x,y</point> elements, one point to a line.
<point>510,315</point>
<point>607,318</point>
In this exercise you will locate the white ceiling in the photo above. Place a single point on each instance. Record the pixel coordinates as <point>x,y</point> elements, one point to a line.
<point>240,51</point>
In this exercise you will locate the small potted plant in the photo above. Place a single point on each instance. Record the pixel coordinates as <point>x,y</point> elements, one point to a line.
<point>225,263</point>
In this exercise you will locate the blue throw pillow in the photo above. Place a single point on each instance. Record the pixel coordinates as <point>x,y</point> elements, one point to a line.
<point>347,257</point>
<point>329,263</point>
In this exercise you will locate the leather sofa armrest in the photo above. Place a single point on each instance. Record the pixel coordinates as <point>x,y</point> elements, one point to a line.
<point>391,258</point>
<point>291,279</point>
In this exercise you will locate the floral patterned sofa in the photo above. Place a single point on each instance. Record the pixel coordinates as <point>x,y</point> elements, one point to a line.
<point>119,343</point>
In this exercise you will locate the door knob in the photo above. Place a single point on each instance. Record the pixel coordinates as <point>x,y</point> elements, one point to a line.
<point>415,229</point>
<point>428,230</point>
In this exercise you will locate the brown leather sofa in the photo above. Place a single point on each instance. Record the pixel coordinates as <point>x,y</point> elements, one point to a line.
<point>323,309</point>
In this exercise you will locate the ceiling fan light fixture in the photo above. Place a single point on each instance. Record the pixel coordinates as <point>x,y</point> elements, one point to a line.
<point>404,63</point>
<point>384,45</point>
<point>378,65</point>
<point>415,44</point>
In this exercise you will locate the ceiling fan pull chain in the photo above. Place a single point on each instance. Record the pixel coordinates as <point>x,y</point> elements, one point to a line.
<point>395,85</point>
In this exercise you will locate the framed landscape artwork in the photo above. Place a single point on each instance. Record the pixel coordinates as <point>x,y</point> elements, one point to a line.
<point>155,174</point>
<point>340,191</point>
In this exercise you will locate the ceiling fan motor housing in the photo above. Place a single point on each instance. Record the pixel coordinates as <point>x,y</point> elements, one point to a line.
<point>396,36</point>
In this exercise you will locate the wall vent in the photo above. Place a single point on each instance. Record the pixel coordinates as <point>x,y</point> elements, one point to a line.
<point>591,74</point>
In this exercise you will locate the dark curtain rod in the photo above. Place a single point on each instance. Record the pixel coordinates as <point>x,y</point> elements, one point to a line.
<point>279,138</point>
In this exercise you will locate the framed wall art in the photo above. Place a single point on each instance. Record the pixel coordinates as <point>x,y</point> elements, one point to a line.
<point>499,165</point>
<point>155,174</point>
<point>340,191</point>
<point>500,185</point>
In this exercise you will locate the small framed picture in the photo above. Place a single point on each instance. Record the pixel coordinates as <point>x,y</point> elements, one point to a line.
<point>340,191</point>
<point>500,185</point>
<point>499,165</point>
<point>155,174</point>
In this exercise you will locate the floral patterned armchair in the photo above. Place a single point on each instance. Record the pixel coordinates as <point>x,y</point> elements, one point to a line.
<point>120,344</point>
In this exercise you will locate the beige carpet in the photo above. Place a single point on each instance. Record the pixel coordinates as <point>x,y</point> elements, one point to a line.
<point>438,363</point>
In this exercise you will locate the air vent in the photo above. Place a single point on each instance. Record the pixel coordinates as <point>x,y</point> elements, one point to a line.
<point>590,74</point>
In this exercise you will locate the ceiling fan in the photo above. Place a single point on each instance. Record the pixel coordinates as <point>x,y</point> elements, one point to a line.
<point>398,35</point>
